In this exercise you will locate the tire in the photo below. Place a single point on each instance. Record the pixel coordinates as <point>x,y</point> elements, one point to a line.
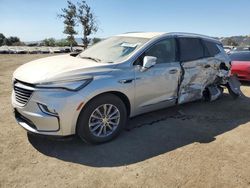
<point>90,118</point>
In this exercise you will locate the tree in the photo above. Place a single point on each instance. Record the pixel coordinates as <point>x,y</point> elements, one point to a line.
<point>7,42</point>
<point>87,19</point>
<point>69,16</point>
<point>230,42</point>
<point>64,42</point>
<point>13,40</point>
<point>33,44</point>
<point>96,40</point>
<point>2,39</point>
<point>49,42</point>
<point>18,44</point>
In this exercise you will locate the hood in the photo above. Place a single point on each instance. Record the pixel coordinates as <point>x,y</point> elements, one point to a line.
<point>59,68</point>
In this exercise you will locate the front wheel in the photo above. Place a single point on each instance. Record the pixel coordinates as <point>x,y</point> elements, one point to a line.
<point>102,119</point>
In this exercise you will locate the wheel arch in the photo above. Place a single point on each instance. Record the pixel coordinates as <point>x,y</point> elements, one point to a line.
<point>119,94</point>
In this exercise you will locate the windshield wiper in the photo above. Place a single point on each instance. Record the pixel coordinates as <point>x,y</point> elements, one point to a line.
<point>91,58</point>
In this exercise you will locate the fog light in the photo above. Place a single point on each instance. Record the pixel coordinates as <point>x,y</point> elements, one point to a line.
<point>47,110</point>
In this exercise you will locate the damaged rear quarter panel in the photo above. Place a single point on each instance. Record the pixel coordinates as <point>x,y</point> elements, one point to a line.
<point>199,74</point>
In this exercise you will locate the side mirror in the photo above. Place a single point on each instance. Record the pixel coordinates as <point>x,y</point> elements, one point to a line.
<point>148,62</point>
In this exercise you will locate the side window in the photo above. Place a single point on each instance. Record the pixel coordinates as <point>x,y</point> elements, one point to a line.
<point>191,49</point>
<point>165,51</point>
<point>212,48</point>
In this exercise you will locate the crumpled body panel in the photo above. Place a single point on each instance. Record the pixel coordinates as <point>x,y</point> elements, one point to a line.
<point>198,75</point>
<point>233,86</point>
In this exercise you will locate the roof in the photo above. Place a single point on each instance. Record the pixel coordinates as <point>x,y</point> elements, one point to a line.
<point>150,35</point>
<point>183,34</point>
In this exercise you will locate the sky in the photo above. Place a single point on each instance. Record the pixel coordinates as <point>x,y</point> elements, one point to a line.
<point>33,20</point>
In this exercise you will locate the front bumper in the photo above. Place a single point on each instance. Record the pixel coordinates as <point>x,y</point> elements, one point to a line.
<point>26,123</point>
<point>32,118</point>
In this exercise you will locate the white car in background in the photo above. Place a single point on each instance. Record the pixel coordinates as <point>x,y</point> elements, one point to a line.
<point>228,49</point>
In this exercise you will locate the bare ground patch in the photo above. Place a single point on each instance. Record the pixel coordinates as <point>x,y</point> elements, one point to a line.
<point>198,144</point>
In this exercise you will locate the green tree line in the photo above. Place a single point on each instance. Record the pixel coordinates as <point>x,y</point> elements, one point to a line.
<point>63,42</point>
<point>10,41</point>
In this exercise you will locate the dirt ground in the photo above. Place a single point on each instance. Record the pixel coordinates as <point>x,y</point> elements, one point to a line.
<point>200,144</point>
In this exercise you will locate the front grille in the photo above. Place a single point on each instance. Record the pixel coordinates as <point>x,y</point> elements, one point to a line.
<point>22,93</point>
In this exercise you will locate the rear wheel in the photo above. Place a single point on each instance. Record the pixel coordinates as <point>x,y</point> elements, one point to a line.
<point>102,119</point>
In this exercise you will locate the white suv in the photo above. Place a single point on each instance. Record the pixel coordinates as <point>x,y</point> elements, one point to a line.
<point>92,94</point>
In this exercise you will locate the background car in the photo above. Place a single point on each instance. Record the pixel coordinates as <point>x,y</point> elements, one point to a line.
<point>241,48</point>
<point>228,49</point>
<point>241,65</point>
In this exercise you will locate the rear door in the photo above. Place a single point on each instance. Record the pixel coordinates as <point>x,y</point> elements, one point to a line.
<point>198,69</point>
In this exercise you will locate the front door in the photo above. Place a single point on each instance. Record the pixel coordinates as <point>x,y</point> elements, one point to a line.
<point>157,87</point>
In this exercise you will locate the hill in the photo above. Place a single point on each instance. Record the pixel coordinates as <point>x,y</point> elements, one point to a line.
<point>240,40</point>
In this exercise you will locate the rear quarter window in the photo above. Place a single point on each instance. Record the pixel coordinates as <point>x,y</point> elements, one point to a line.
<point>212,48</point>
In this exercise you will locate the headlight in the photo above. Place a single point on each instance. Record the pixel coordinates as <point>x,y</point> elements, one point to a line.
<point>72,85</point>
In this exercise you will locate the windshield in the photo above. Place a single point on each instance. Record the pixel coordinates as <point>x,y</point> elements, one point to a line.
<point>113,49</point>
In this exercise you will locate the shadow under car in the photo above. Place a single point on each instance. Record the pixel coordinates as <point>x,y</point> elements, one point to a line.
<point>152,134</point>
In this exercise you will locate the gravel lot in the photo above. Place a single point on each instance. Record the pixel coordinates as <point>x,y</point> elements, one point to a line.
<point>198,144</point>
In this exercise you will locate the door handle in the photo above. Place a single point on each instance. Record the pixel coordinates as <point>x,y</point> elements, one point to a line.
<point>173,71</point>
<point>126,81</point>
